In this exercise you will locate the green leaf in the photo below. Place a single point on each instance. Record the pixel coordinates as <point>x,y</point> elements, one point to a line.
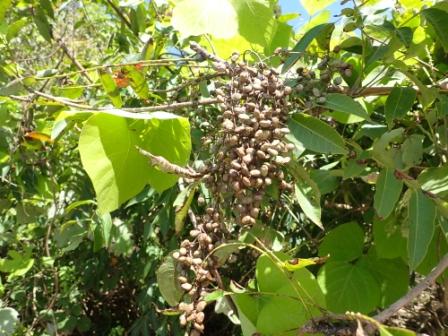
<point>385,153</point>
<point>398,103</point>
<point>256,21</point>
<point>111,88</point>
<point>167,135</point>
<point>314,6</point>
<point>316,135</point>
<point>388,191</point>
<point>388,238</point>
<point>325,180</point>
<point>439,21</point>
<point>299,294</point>
<point>17,264</point>
<point>412,149</point>
<point>182,205</point>
<point>4,6</point>
<point>436,250</point>
<point>344,243</point>
<point>345,105</point>
<point>307,194</point>
<point>43,26</point>
<point>138,81</point>
<point>322,31</point>
<point>167,281</point>
<point>107,146</point>
<point>69,235</point>
<point>422,215</point>
<point>9,319</point>
<point>435,180</point>
<point>391,274</point>
<point>349,287</point>
<point>196,17</point>
<point>108,153</point>
<point>395,331</point>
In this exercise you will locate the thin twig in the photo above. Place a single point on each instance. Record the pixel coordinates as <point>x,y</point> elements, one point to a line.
<point>204,53</point>
<point>74,61</point>
<point>414,292</point>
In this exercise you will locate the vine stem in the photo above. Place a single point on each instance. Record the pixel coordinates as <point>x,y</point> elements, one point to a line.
<point>414,292</point>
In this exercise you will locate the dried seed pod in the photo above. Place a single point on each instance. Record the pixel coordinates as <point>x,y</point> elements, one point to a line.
<point>194,233</point>
<point>186,286</point>
<point>227,124</point>
<point>183,320</point>
<point>246,181</point>
<point>255,173</point>
<point>182,279</point>
<point>197,261</point>
<point>199,327</point>
<point>247,158</point>
<point>200,317</point>
<point>254,212</point>
<point>201,306</point>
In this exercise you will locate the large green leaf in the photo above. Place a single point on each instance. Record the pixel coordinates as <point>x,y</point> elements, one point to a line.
<point>118,171</point>
<point>196,17</point>
<point>391,274</point>
<point>349,287</point>
<point>314,6</point>
<point>256,21</point>
<point>167,281</point>
<point>388,238</point>
<point>439,21</point>
<point>322,32</point>
<point>422,215</point>
<point>388,191</point>
<point>398,103</point>
<point>316,135</point>
<point>108,153</point>
<point>298,293</point>
<point>345,105</point>
<point>344,243</point>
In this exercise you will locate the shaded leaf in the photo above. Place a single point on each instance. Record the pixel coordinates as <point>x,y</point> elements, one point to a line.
<point>422,215</point>
<point>439,21</point>
<point>167,281</point>
<point>349,287</point>
<point>388,191</point>
<point>398,103</point>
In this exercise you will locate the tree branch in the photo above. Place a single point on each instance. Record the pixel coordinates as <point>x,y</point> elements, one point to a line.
<point>74,61</point>
<point>413,293</point>
<point>168,167</point>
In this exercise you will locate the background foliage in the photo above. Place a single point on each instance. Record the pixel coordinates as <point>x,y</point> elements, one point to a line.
<point>87,223</point>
